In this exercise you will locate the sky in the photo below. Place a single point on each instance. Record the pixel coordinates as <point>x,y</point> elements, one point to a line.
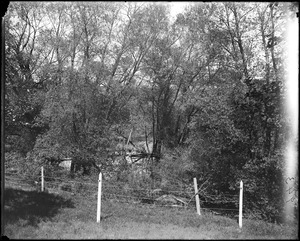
<point>177,7</point>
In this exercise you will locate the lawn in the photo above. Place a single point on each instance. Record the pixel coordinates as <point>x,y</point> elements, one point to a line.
<point>35,215</point>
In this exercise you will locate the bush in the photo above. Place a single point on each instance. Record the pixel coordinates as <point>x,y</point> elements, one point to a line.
<point>13,160</point>
<point>263,183</point>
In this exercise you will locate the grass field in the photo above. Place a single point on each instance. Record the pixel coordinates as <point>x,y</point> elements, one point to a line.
<point>35,215</point>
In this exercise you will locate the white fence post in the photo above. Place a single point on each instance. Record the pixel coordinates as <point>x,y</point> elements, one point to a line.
<point>42,181</point>
<point>197,196</point>
<point>99,197</point>
<point>241,205</point>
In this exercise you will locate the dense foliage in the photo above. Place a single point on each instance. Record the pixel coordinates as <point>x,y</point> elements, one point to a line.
<point>206,89</point>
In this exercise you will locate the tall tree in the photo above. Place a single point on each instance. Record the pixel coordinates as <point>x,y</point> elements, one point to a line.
<point>24,56</point>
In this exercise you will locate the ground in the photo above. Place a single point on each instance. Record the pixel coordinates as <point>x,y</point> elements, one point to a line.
<point>63,215</point>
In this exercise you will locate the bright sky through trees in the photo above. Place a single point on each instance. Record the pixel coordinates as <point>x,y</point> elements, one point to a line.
<point>177,7</point>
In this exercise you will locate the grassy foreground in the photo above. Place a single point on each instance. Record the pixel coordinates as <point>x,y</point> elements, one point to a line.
<point>35,215</point>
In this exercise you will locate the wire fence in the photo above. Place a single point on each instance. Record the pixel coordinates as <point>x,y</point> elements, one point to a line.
<point>182,197</point>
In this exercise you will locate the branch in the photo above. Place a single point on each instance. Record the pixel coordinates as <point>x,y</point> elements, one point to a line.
<point>198,192</point>
<point>119,133</point>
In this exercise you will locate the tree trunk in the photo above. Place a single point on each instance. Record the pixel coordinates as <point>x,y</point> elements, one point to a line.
<point>240,42</point>
<point>263,36</point>
<point>272,45</point>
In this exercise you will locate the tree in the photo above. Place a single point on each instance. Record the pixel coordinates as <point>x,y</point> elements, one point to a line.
<point>77,129</point>
<point>24,93</point>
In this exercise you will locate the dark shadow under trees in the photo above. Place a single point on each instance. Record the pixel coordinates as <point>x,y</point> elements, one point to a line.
<point>32,206</point>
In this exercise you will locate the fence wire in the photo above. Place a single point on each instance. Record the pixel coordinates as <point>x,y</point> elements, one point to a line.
<point>121,192</point>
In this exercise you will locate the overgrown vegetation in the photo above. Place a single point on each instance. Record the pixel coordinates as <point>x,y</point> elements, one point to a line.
<point>203,92</point>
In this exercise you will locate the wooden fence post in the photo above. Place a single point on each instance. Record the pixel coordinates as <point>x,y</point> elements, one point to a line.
<point>42,179</point>
<point>99,198</point>
<point>241,205</point>
<point>197,196</point>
